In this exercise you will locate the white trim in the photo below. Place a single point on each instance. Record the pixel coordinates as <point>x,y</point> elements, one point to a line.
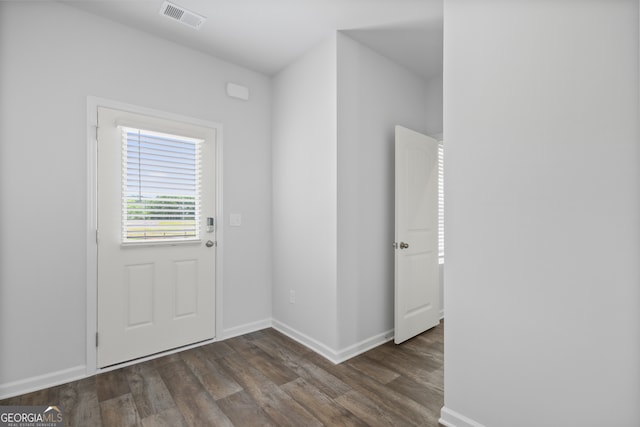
<point>335,356</point>
<point>219,234</point>
<point>307,341</point>
<point>92,248</point>
<point>450,418</point>
<point>247,328</point>
<point>91,326</point>
<point>364,345</point>
<point>40,382</point>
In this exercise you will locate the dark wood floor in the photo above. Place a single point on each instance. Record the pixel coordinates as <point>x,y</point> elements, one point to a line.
<point>261,379</point>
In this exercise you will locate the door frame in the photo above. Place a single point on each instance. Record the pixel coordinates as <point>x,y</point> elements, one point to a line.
<point>93,103</point>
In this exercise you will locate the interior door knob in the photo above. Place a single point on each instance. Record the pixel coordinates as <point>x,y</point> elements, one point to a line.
<point>404,245</point>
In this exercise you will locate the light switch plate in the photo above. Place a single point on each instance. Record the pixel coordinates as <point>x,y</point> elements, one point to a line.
<point>235,219</point>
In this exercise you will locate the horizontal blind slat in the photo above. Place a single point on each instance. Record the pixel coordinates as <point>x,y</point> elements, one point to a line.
<point>161,160</point>
<point>151,170</point>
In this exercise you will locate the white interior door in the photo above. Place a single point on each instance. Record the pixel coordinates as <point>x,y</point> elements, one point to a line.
<point>156,249</point>
<point>416,233</point>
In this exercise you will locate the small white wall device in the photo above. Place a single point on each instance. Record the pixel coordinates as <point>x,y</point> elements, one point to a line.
<point>238,91</point>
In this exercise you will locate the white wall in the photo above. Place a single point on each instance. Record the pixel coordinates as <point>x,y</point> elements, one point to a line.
<point>374,95</point>
<point>304,197</point>
<point>52,57</point>
<point>543,214</point>
<point>434,106</point>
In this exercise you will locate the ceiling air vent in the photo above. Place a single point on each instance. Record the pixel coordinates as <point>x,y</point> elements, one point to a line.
<point>182,15</point>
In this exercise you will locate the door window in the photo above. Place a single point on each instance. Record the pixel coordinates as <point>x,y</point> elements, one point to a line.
<point>161,186</point>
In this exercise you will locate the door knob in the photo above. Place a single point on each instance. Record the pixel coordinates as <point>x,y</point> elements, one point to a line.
<point>404,245</point>
<point>209,243</point>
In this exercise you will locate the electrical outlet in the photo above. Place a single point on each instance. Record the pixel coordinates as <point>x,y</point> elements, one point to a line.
<point>292,296</point>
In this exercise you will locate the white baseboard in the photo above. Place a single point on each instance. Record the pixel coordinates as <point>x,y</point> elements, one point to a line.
<point>335,356</point>
<point>307,341</point>
<point>450,418</point>
<point>364,345</point>
<point>442,314</point>
<point>40,382</point>
<point>245,329</point>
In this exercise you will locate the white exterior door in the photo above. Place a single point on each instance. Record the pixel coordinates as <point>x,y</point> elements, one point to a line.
<point>156,249</point>
<point>416,233</point>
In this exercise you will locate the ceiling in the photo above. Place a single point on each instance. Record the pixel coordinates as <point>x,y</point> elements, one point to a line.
<point>267,35</point>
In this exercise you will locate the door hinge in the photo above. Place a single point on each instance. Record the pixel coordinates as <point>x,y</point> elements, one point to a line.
<point>96,339</point>
<point>96,236</point>
<point>96,133</point>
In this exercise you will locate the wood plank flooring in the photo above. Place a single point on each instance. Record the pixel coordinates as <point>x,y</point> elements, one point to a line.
<point>261,379</point>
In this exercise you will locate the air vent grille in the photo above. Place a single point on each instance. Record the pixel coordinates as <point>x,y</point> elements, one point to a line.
<point>182,15</point>
<point>173,12</point>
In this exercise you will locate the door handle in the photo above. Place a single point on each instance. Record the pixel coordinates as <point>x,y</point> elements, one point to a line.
<point>209,243</point>
<point>404,245</point>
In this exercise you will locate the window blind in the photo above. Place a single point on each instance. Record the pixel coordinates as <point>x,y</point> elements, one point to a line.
<point>161,186</point>
<point>440,200</point>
